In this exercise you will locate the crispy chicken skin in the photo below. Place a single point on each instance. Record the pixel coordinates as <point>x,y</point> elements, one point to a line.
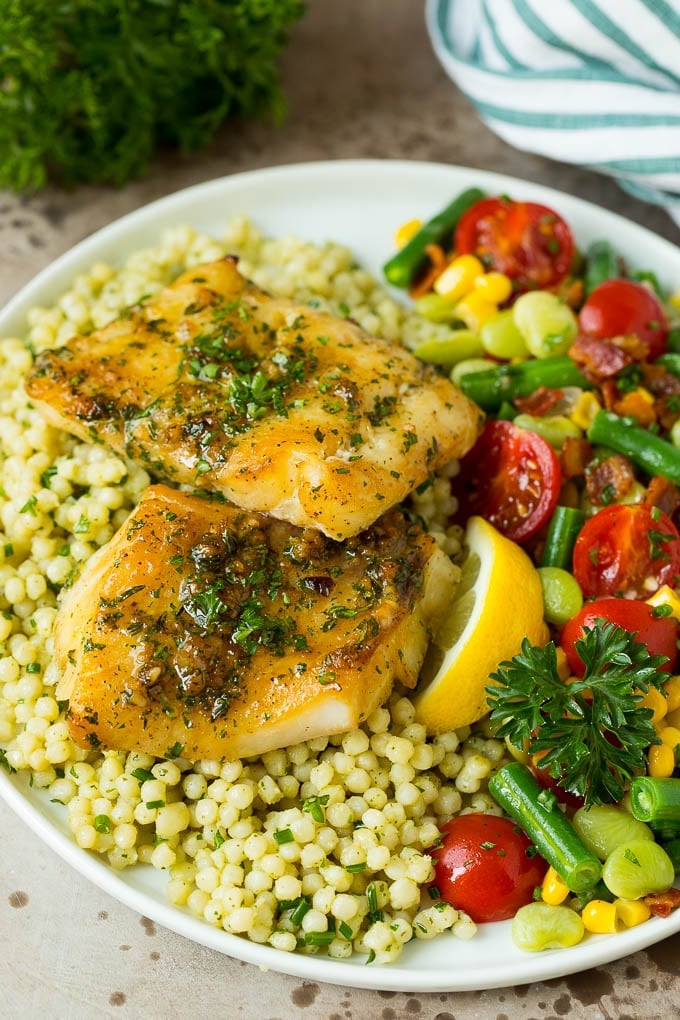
<point>208,631</point>
<point>281,408</point>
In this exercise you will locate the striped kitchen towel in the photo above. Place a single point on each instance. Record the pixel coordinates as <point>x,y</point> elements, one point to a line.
<point>593,82</point>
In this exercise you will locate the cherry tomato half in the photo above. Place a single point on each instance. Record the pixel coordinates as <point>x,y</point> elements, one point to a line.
<point>627,550</point>
<point>528,242</point>
<point>512,478</point>
<point>623,307</point>
<point>487,867</point>
<point>659,634</point>
<point>548,782</point>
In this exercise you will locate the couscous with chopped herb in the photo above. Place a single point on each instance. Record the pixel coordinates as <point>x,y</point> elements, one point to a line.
<point>323,844</point>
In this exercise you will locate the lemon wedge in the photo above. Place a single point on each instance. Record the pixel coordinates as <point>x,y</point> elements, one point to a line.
<point>497,604</point>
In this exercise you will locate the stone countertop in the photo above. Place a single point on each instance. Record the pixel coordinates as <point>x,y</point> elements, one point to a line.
<point>361,81</point>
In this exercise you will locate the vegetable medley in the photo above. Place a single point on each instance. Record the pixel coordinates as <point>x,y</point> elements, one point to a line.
<point>367,840</point>
<point>575,357</point>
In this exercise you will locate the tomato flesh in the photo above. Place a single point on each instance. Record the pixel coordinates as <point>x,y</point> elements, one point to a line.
<point>659,634</point>
<point>512,478</point>
<point>620,307</point>
<point>527,241</point>
<point>629,550</point>
<point>487,867</point>
<point>548,782</point>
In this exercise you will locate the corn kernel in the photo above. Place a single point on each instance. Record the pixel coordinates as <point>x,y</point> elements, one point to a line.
<point>673,718</point>
<point>672,694</point>
<point>459,277</point>
<point>475,310</point>
<point>562,664</point>
<point>670,736</point>
<point>494,287</point>
<point>642,393</point>
<point>585,409</point>
<point>674,299</point>
<point>406,231</point>
<point>599,917</point>
<point>632,912</point>
<point>553,889</point>
<point>661,761</point>
<point>519,754</point>
<point>655,700</point>
<point>665,596</point>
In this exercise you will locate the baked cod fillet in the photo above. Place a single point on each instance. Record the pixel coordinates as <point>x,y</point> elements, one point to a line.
<point>283,409</point>
<point>207,631</point>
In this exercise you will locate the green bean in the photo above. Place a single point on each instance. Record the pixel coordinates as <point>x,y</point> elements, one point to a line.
<point>673,339</point>
<point>599,892</point>
<point>490,388</point>
<point>538,813</point>
<point>637,868</point>
<point>565,524</point>
<point>671,362</point>
<point>664,831</point>
<point>471,366</point>
<point>403,267</point>
<point>672,848</point>
<point>648,277</point>
<point>603,827</point>
<point>601,264</point>
<point>656,800</point>
<point>506,412</point>
<point>538,926</point>
<point>646,450</point>
<point>562,595</point>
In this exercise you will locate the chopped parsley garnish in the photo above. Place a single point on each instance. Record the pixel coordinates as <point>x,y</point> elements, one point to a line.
<point>143,775</point>
<point>284,836</point>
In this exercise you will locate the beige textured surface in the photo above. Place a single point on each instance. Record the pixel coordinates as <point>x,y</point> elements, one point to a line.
<point>362,82</point>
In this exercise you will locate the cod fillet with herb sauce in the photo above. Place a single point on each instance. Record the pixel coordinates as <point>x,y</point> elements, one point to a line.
<point>282,408</point>
<point>207,631</point>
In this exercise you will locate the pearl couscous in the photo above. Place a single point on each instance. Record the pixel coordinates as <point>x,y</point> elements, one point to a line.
<point>325,844</point>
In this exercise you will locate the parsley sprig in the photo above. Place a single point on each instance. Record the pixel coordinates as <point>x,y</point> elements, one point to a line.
<point>594,730</point>
<point>90,89</point>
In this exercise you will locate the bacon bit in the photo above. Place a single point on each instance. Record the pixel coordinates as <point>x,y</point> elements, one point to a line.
<point>657,377</point>
<point>662,493</point>
<point>570,494</point>
<point>667,411</point>
<point>574,457</point>
<point>598,359</point>
<point>539,402</point>
<point>666,388</point>
<point>609,394</point>
<point>661,904</point>
<point>663,384</point>
<point>634,347</point>
<point>571,292</point>
<point>437,264</point>
<point>602,359</point>
<point>638,404</point>
<point>609,480</point>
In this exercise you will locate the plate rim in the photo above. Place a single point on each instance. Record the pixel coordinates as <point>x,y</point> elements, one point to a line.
<point>596,950</point>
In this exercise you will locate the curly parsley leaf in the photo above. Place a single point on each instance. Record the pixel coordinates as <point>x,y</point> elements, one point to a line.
<point>593,731</point>
<point>90,89</point>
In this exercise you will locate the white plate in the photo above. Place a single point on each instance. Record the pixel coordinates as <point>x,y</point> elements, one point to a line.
<point>359,203</point>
